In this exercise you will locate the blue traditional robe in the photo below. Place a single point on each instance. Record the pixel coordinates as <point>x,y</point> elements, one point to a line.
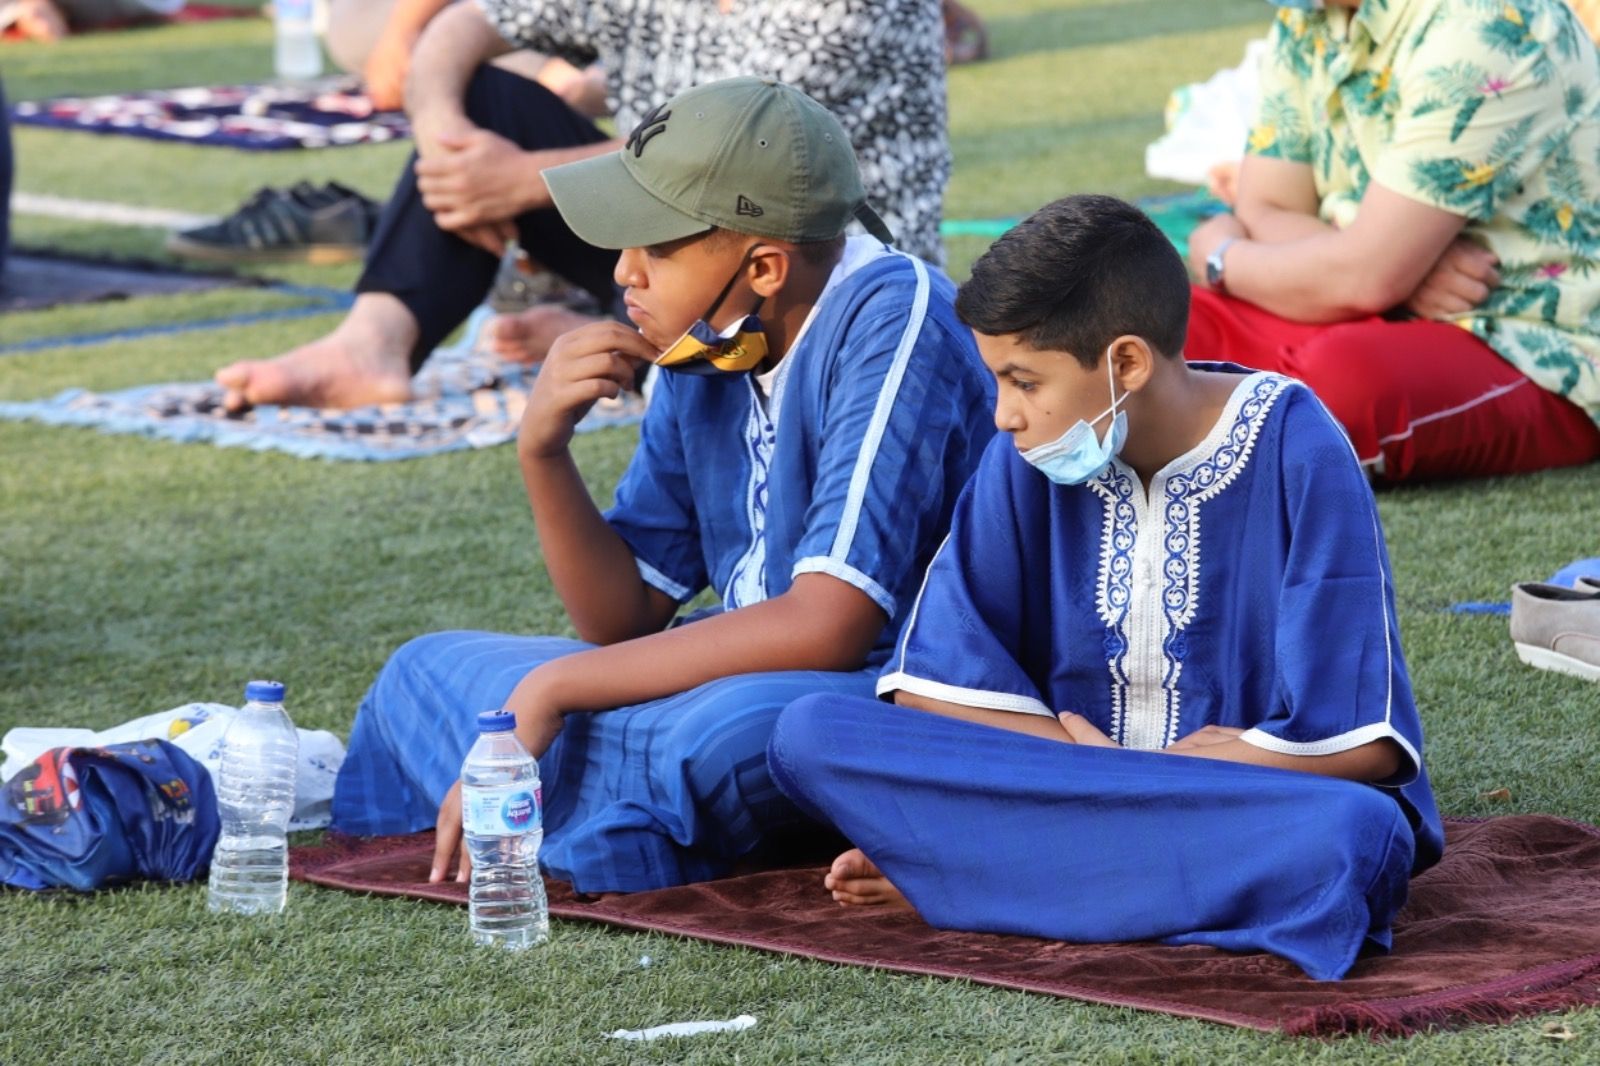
<point>846,461</point>
<point>1246,586</point>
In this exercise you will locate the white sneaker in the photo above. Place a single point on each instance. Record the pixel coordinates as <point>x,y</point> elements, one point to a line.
<point>1557,628</point>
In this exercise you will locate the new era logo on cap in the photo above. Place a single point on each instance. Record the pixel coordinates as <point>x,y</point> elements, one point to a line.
<point>748,207</point>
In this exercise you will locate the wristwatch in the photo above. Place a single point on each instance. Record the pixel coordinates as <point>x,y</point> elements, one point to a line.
<point>1214,265</point>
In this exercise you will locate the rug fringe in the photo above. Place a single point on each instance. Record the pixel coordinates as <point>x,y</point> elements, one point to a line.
<point>1574,984</point>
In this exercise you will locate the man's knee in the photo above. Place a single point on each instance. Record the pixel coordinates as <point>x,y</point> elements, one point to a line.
<point>502,102</point>
<point>1348,374</point>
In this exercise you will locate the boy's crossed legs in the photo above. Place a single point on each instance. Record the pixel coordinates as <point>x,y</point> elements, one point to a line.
<point>987,830</point>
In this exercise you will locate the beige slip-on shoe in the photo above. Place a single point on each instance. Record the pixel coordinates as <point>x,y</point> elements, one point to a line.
<point>1557,628</point>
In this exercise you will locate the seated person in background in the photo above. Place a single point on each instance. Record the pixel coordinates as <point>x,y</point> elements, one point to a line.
<point>1436,157</point>
<point>374,38</point>
<point>51,20</point>
<point>1152,687</point>
<point>485,136</point>
<point>805,470</point>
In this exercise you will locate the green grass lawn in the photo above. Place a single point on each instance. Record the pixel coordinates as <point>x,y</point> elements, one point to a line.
<point>137,575</point>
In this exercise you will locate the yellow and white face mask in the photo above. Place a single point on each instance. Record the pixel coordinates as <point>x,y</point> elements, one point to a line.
<point>740,347</point>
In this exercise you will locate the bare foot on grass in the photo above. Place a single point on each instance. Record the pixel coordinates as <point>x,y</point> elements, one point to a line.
<point>365,360</point>
<point>526,336</point>
<point>854,880</point>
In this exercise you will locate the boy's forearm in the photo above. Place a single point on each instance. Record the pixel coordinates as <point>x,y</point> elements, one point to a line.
<point>788,632</point>
<point>1374,761</point>
<point>591,566</point>
<point>1036,725</point>
<point>452,46</point>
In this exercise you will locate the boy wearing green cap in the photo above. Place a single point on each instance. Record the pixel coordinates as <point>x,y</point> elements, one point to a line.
<point>818,409</point>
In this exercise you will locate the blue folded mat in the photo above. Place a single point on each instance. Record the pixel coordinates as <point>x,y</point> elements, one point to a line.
<point>1566,576</point>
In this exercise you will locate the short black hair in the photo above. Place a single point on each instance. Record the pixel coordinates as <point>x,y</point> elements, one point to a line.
<point>1077,274</point>
<point>823,253</point>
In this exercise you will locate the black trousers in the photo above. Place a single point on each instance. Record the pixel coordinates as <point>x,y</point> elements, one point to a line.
<point>440,277</point>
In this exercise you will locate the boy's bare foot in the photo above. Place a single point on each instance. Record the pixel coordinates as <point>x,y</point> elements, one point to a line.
<point>853,879</point>
<point>365,360</point>
<point>526,336</point>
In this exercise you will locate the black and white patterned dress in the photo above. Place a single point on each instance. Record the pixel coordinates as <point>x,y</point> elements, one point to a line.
<point>877,64</point>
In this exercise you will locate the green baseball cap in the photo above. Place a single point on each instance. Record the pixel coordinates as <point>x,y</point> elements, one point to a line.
<point>747,154</point>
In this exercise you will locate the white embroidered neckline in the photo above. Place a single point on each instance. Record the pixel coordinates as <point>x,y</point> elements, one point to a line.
<point>1147,589</point>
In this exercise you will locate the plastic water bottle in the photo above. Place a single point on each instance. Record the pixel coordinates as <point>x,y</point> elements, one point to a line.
<point>255,797</point>
<point>296,54</point>
<point>502,825</point>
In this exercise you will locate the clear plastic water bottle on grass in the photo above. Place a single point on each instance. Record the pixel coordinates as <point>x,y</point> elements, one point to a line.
<point>255,797</point>
<point>296,53</point>
<point>502,828</point>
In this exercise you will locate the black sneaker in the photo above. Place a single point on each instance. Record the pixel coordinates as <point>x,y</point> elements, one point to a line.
<point>303,224</point>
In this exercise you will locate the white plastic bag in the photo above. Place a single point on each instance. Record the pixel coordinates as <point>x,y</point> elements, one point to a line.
<point>1207,123</point>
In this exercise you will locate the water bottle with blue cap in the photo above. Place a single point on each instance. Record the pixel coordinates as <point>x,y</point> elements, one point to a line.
<point>255,797</point>
<point>501,820</point>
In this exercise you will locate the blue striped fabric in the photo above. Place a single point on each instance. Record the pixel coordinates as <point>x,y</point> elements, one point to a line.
<point>851,468</point>
<point>659,794</point>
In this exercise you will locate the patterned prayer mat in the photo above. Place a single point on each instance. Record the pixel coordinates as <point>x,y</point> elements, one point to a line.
<point>33,281</point>
<point>463,398</point>
<point>325,114</point>
<point>1507,925</point>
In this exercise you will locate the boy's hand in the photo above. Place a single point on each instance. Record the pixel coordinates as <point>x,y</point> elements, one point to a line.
<point>1205,737</point>
<point>591,363</point>
<point>447,830</point>
<point>1082,731</point>
<point>538,723</point>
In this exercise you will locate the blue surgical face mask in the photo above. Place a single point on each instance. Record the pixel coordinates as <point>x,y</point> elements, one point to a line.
<point>1079,454</point>
<point>1300,5</point>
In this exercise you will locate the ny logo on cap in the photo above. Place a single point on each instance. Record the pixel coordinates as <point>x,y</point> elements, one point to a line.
<point>654,122</point>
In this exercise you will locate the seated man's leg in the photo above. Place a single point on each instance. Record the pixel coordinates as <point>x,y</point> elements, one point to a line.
<point>1419,399</point>
<point>675,790</point>
<point>992,831</point>
<point>420,281</point>
<point>417,721</point>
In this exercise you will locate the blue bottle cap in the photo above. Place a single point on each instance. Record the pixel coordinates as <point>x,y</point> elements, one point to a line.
<point>496,721</point>
<point>264,692</point>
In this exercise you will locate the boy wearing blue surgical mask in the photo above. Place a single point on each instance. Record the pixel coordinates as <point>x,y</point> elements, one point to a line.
<point>818,408</point>
<point>1154,559</point>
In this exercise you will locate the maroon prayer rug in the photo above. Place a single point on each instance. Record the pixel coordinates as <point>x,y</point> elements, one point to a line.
<point>1507,925</point>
